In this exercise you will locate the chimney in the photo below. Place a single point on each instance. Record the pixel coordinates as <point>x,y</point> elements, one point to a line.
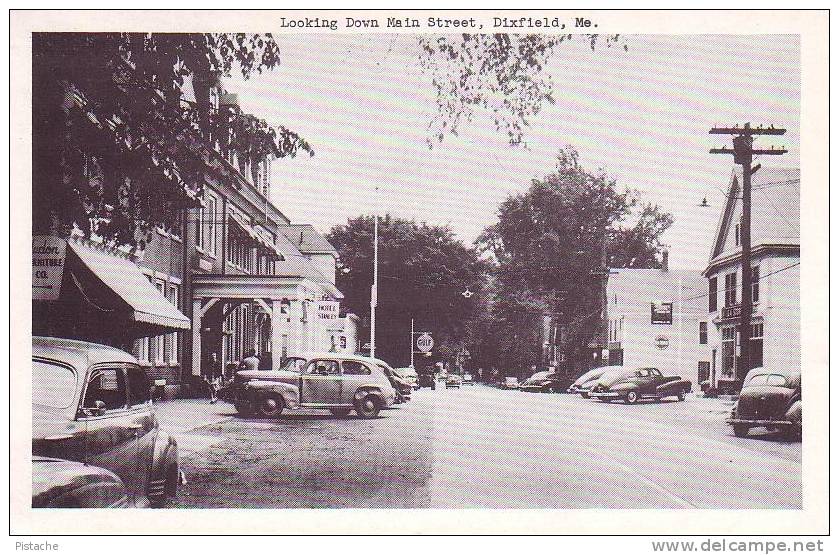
<point>665,255</point>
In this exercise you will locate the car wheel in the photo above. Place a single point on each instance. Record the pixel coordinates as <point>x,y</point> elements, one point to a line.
<point>340,412</point>
<point>368,406</point>
<point>270,406</point>
<point>244,408</point>
<point>631,397</point>
<point>681,396</point>
<point>585,395</point>
<point>741,430</point>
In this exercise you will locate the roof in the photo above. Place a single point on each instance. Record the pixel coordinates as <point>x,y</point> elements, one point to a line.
<point>306,239</point>
<point>776,208</point>
<point>302,267</point>
<point>78,353</point>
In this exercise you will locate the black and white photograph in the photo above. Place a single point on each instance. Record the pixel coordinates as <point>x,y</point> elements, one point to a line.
<point>422,260</point>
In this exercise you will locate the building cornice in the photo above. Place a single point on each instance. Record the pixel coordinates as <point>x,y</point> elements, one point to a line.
<point>733,259</point>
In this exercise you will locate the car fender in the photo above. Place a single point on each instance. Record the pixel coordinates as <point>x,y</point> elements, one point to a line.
<point>674,386</point>
<point>623,386</point>
<point>58,483</point>
<point>369,389</point>
<point>289,393</point>
<point>793,413</point>
<point>165,461</point>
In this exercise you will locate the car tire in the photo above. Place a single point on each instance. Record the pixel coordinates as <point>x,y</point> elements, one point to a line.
<point>681,396</point>
<point>368,406</point>
<point>340,412</point>
<point>585,395</point>
<point>270,406</point>
<point>244,408</point>
<point>741,430</point>
<point>631,397</point>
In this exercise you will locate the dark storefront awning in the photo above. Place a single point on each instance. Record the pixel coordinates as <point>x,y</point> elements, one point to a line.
<point>126,281</point>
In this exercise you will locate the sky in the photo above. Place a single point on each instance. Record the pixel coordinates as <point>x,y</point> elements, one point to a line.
<point>642,115</point>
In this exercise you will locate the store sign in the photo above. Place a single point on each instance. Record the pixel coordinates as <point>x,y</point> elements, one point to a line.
<point>661,313</point>
<point>425,342</point>
<point>731,311</point>
<point>328,310</point>
<point>48,256</point>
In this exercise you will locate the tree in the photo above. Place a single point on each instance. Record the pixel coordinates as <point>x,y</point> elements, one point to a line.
<point>423,273</point>
<point>116,149</point>
<point>548,241</point>
<point>503,74</point>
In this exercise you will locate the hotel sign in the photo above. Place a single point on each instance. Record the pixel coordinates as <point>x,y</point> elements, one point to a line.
<point>48,256</point>
<point>328,310</point>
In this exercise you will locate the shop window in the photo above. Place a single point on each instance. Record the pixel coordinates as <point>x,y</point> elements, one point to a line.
<point>703,333</point>
<point>729,337</point>
<point>712,294</point>
<point>731,289</point>
<point>756,346</point>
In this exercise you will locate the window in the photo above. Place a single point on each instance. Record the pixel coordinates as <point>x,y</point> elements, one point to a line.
<point>704,371</point>
<point>756,346</point>
<point>141,349</point>
<point>139,386</point>
<point>160,340</point>
<point>354,368</point>
<point>322,368</point>
<point>737,235</point>
<point>776,380</point>
<point>108,386</point>
<point>703,333</point>
<point>755,284</point>
<point>209,216</point>
<point>731,289</point>
<point>729,336</point>
<point>343,341</point>
<point>53,385</point>
<point>712,294</point>
<point>173,338</point>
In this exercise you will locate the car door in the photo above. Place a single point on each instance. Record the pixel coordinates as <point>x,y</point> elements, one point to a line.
<point>143,421</point>
<point>321,383</point>
<point>645,381</point>
<point>110,431</point>
<point>354,374</point>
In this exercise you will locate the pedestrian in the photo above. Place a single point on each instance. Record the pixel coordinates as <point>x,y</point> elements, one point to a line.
<point>251,361</point>
<point>213,376</point>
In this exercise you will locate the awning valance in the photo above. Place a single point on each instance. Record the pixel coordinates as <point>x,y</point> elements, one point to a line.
<point>124,278</point>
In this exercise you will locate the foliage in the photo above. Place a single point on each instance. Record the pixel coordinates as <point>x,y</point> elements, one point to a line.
<point>423,272</point>
<point>503,74</point>
<point>115,149</point>
<point>547,245</point>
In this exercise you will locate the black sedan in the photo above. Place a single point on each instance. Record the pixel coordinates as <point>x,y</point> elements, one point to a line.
<point>632,385</point>
<point>769,399</point>
<point>546,382</point>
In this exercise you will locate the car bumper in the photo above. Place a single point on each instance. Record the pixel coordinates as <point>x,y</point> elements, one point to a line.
<point>769,423</point>
<point>604,394</point>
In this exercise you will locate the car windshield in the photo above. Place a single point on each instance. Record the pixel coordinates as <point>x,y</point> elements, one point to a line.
<point>294,364</point>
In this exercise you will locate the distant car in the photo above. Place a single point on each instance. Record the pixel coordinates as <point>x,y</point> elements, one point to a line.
<point>584,383</point>
<point>453,380</point>
<point>408,374</point>
<point>769,399</point>
<point>510,382</point>
<point>632,385</point>
<point>441,376</point>
<point>427,379</point>
<point>91,404</point>
<point>468,379</point>
<point>337,382</point>
<point>545,382</point>
<point>62,484</point>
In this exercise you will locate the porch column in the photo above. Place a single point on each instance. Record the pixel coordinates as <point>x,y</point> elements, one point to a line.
<point>197,314</point>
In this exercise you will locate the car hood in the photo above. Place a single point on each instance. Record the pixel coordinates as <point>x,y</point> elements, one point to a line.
<point>763,401</point>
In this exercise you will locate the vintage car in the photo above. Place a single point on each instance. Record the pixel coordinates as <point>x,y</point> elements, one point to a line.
<point>769,399</point>
<point>545,382</point>
<point>62,484</point>
<point>468,379</point>
<point>408,374</point>
<point>337,382</point>
<point>453,380</point>
<point>633,384</point>
<point>92,404</point>
<point>584,383</point>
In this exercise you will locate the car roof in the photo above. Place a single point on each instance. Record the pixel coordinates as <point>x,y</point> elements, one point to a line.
<point>786,372</point>
<point>80,354</point>
<point>343,356</point>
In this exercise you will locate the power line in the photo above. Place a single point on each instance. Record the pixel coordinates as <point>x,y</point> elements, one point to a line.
<point>758,279</point>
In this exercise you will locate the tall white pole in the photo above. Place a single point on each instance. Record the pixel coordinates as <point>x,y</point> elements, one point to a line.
<point>374,293</point>
<point>412,342</point>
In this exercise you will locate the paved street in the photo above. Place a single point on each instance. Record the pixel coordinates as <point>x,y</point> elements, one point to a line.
<point>483,447</point>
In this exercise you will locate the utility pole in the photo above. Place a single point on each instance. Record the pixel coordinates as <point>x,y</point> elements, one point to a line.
<point>374,290</point>
<point>743,141</point>
<point>412,342</point>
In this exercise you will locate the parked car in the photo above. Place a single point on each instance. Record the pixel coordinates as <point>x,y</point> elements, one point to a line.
<point>408,374</point>
<point>62,484</point>
<point>584,383</point>
<point>453,380</point>
<point>427,379</point>
<point>545,382</point>
<point>769,399</point>
<point>510,382</point>
<point>468,379</point>
<point>92,404</point>
<point>632,385</point>
<point>334,381</point>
